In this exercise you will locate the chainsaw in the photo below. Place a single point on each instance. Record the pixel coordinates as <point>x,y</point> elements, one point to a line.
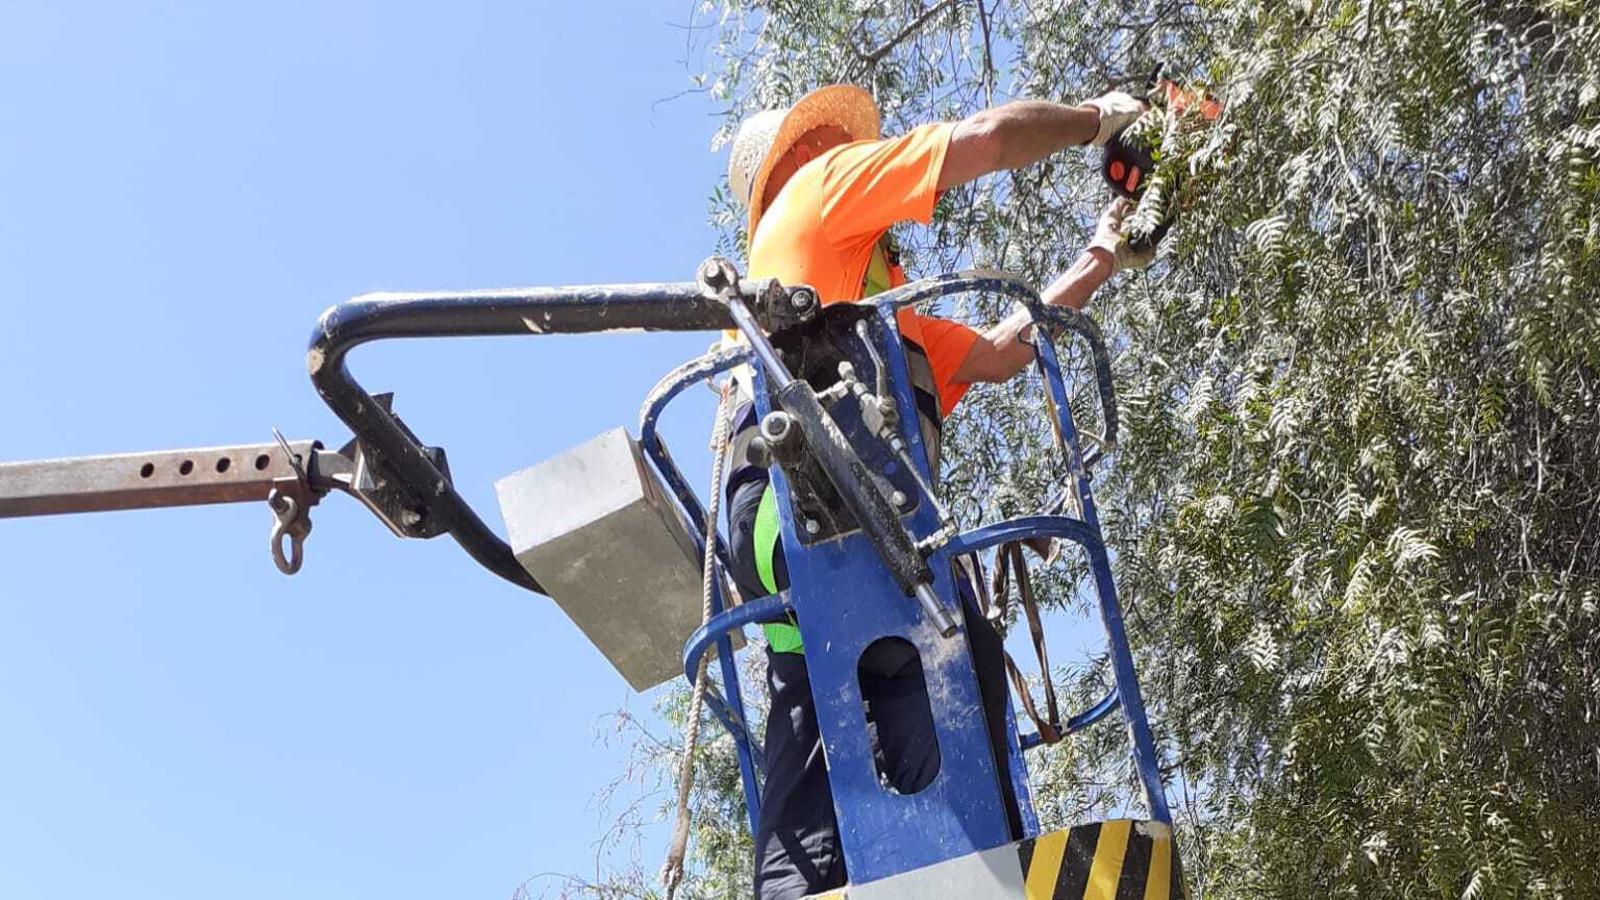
<point>1147,160</point>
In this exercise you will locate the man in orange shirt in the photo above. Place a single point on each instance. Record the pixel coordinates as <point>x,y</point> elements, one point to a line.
<point>822,190</point>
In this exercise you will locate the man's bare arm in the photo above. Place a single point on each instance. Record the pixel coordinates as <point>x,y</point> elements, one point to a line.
<point>1000,352</point>
<point>1023,132</point>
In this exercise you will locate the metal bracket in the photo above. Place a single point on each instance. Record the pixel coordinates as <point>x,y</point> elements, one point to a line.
<point>369,479</point>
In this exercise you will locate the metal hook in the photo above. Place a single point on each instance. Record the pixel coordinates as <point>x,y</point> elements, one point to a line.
<point>293,457</point>
<point>289,520</point>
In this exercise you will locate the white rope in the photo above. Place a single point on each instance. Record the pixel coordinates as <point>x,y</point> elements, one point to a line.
<point>672,869</point>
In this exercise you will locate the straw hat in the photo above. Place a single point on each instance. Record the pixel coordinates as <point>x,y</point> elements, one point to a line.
<point>765,137</point>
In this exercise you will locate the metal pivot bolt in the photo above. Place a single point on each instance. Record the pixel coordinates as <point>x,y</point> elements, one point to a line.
<point>777,427</point>
<point>784,443</point>
<point>803,299</point>
<point>717,274</point>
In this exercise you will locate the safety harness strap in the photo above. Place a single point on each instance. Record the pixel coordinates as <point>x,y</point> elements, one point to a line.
<point>1009,563</point>
<point>782,637</point>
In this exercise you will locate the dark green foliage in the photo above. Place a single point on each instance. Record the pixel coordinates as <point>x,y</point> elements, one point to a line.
<point>1356,502</point>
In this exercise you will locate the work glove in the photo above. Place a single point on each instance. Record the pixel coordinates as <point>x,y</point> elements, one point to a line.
<point>1109,236</point>
<point>1117,111</point>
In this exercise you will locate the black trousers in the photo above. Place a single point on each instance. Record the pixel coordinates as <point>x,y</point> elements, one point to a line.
<point>797,849</point>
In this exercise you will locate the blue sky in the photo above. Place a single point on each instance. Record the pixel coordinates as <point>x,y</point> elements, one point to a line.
<point>183,188</point>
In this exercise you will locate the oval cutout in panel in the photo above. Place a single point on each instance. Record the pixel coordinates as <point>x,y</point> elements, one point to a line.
<point>894,692</point>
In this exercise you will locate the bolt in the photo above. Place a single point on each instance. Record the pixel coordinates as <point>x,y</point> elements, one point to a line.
<point>775,427</point>
<point>802,299</point>
<point>813,526</point>
<point>713,274</point>
<point>898,498</point>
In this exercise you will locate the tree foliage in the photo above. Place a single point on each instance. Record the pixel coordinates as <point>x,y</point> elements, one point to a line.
<point>1356,502</point>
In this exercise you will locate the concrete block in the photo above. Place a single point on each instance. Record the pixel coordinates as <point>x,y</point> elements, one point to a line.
<point>598,531</point>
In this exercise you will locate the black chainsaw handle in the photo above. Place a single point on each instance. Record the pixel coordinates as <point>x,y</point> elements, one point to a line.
<point>562,310</point>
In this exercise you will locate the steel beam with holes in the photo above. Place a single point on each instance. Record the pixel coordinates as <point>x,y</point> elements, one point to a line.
<point>237,474</point>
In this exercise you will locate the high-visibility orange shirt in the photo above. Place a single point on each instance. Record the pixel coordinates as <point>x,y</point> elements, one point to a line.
<point>823,225</point>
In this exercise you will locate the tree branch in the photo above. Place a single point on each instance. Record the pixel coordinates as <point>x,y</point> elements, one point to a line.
<point>876,56</point>
<point>988,56</point>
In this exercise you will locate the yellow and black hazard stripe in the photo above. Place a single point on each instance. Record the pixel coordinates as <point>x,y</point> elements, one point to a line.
<point>1122,859</point>
<point>1117,860</point>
